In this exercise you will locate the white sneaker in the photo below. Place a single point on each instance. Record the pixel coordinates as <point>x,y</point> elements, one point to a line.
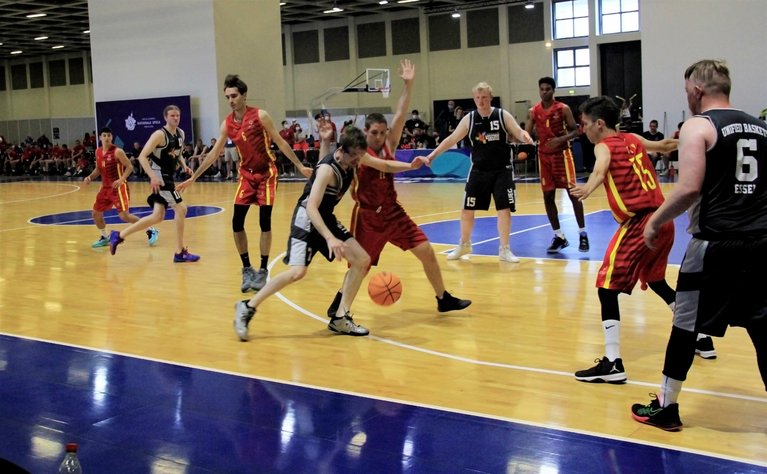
<point>464,248</point>
<point>506,255</point>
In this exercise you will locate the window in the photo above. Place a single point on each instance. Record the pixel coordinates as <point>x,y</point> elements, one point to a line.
<point>36,80</point>
<point>573,67</point>
<point>619,16</point>
<point>76,71</point>
<point>57,72</point>
<point>571,19</point>
<point>19,76</point>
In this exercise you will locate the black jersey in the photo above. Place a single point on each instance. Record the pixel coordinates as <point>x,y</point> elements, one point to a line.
<point>165,157</point>
<point>733,199</point>
<point>333,192</point>
<point>489,146</point>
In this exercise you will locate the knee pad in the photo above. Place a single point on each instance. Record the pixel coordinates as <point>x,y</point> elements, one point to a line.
<point>609,303</point>
<point>265,218</point>
<point>238,218</point>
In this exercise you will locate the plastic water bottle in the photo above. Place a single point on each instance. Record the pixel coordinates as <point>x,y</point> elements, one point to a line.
<point>70,464</point>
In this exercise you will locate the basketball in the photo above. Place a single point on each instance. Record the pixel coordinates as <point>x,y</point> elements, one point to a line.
<point>522,155</point>
<point>385,288</point>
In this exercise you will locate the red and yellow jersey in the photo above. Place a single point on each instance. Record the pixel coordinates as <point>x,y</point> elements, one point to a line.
<point>631,182</point>
<point>550,123</point>
<point>373,188</point>
<point>109,166</point>
<point>252,140</point>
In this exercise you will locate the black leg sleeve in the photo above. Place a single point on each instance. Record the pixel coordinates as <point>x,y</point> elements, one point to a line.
<point>680,353</point>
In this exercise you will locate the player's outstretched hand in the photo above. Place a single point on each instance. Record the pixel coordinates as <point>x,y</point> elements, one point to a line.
<point>406,70</point>
<point>325,129</point>
<point>306,171</point>
<point>182,186</point>
<point>419,161</point>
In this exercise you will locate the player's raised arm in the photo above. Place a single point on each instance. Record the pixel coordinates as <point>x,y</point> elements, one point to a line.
<point>407,73</point>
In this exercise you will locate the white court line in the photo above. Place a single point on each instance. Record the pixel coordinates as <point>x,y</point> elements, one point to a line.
<point>501,365</point>
<point>77,188</point>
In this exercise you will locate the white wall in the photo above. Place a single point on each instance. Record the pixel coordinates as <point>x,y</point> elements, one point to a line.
<point>677,33</point>
<point>170,58</point>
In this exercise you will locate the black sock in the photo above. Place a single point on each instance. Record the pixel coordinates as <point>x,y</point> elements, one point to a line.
<point>245,257</point>
<point>264,261</point>
<point>336,303</point>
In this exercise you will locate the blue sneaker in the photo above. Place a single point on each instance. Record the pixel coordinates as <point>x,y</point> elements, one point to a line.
<point>102,242</point>
<point>185,256</point>
<point>114,241</point>
<point>152,235</point>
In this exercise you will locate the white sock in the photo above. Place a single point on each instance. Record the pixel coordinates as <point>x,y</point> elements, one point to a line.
<point>559,233</point>
<point>701,336</point>
<point>669,391</point>
<point>612,331</point>
<point>582,230</point>
<point>104,232</point>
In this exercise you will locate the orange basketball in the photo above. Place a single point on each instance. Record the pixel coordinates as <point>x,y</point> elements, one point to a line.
<point>385,288</point>
<point>522,155</point>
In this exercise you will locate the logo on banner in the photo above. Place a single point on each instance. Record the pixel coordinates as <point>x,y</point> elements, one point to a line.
<point>130,123</point>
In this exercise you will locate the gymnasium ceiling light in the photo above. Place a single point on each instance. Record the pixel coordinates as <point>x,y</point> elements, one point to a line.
<point>529,5</point>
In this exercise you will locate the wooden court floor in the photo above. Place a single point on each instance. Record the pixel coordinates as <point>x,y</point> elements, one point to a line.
<point>510,355</point>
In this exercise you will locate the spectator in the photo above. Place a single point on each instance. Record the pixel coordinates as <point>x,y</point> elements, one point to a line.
<point>413,123</point>
<point>446,121</point>
<point>654,135</point>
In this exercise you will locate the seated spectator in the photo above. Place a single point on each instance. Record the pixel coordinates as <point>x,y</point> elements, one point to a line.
<point>654,135</point>
<point>414,123</point>
<point>674,155</point>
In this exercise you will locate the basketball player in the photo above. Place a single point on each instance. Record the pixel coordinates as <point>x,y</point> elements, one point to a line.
<point>164,148</point>
<point>252,131</point>
<point>633,194</point>
<point>314,228</point>
<point>555,126</point>
<point>114,167</point>
<point>378,217</point>
<point>491,171</point>
<point>722,164</point>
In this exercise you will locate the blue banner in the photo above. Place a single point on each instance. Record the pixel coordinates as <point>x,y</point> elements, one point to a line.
<point>134,120</point>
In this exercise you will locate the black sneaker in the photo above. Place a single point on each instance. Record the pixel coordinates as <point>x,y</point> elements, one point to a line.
<point>333,308</point>
<point>665,418</point>
<point>557,244</point>
<point>604,371</point>
<point>584,243</point>
<point>449,302</point>
<point>705,348</point>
